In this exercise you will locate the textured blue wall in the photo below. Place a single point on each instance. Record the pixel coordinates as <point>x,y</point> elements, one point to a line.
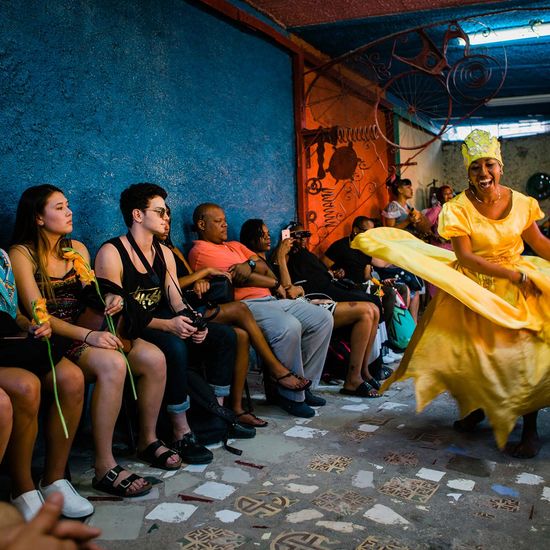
<point>95,95</point>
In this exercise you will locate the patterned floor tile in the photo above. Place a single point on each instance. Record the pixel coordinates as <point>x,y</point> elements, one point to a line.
<point>210,538</point>
<point>346,503</point>
<point>263,504</point>
<point>377,543</point>
<point>357,435</point>
<point>508,504</point>
<point>416,490</point>
<point>301,540</point>
<point>409,459</point>
<point>330,463</point>
<point>428,439</point>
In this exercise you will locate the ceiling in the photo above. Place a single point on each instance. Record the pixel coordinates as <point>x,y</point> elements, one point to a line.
<point>512,69</point>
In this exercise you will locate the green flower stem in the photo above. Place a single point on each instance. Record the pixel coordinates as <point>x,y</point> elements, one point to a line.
<point>112,330</point>
<point>110,323</point>
<point>57,404</point>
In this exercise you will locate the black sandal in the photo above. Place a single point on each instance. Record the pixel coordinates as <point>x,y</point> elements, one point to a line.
<point>161,461</point>
<point>261,422</point>
<point>106,484</point>
<point>363,390</point>
<point>289,373</point>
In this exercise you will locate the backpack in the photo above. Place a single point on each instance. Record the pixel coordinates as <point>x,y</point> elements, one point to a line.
<point>401,327</point>
<point>209,421</point>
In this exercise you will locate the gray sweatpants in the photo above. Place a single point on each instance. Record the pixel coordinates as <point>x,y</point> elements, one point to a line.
<point>298,333</point>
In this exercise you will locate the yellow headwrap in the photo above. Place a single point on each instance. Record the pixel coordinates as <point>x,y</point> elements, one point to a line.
<point>480,144</point>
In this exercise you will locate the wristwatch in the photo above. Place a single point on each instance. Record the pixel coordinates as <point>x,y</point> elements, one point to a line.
<point>252,264</point>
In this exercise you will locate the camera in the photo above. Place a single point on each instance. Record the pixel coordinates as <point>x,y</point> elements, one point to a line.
<point>300,234</point>
<point>195,319</point>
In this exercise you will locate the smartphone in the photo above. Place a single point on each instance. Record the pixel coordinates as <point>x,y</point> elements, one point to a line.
<point>285,234</point>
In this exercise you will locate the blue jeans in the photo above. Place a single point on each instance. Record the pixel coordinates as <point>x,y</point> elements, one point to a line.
<point>216,352</point>
<point>298,333</point>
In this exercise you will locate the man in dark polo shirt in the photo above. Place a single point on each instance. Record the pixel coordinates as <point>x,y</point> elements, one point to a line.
<point>340,255</point>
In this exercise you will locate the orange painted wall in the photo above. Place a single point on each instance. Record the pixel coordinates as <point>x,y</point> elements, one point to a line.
<point>331,204</point>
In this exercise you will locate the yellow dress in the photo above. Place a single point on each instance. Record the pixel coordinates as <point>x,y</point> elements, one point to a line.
<point>480,339</point>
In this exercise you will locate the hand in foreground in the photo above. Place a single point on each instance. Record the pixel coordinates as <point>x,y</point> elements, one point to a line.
<point>47,532</point>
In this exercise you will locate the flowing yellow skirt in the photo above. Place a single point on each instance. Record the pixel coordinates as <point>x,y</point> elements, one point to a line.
<point>480,338</point>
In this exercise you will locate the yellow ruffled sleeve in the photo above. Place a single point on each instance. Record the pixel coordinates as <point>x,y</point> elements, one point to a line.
<point>453,221</point>
<point>535,212</point>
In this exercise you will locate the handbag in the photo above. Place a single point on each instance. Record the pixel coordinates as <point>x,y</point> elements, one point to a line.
<point>220,292</point>
<point>401,327</point>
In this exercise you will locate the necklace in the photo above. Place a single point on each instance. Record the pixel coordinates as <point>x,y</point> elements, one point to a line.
<point>472,190</point>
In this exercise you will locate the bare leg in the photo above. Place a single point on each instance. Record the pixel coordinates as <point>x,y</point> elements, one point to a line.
<point>108,370</point>
<point>529,446</point>
<point>70,384</point>
<point>238,314</point>
<point>363,316</point>
<point>6,421</point>
<point>469,423</point>
<point>414,306</point>
<point>149,366</point>
<point>239,380</point>
<point>23,388</point>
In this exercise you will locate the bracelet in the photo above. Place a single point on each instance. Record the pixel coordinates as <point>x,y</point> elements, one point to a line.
<point>276,285</point>
<point>86,337</point>
<point>523,278</point>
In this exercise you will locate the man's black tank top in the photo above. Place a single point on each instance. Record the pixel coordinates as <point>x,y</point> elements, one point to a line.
<point>140,285</point>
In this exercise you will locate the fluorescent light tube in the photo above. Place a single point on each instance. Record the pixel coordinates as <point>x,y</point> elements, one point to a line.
<point>492,36</point>
<point>518,100</point>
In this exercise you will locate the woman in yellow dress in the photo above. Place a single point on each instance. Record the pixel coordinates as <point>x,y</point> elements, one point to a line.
<point>490,328</point>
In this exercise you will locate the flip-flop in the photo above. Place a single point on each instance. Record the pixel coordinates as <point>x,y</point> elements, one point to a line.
<point>261,423</point>
<point>161,461</point>
<point>287,375</point>
<point>363,390</point>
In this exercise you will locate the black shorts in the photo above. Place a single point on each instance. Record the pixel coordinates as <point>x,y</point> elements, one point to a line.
<point>31,353</point>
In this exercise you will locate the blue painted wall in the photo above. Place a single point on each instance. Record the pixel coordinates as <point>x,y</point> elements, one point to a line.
<point>95,95</point>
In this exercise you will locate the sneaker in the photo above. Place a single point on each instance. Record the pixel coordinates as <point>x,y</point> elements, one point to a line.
<point>388,359</point>
<point>74,505</point>
<point>314,400</point>
<point>295,408</point>
<point>240,431</point>
<point>191,451</point>
<point>28,503</point>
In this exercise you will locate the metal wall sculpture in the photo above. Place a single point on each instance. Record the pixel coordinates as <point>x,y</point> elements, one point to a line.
<point>423,77</point>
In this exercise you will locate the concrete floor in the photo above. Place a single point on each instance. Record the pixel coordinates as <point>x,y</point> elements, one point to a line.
<point>364,473</point>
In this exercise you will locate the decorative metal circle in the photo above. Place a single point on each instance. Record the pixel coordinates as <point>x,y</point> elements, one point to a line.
<point>420,98</point>
<point>475,79</point>
<point>314,186</point>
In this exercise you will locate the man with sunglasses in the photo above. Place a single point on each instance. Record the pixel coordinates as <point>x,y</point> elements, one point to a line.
<point>146,270</point>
